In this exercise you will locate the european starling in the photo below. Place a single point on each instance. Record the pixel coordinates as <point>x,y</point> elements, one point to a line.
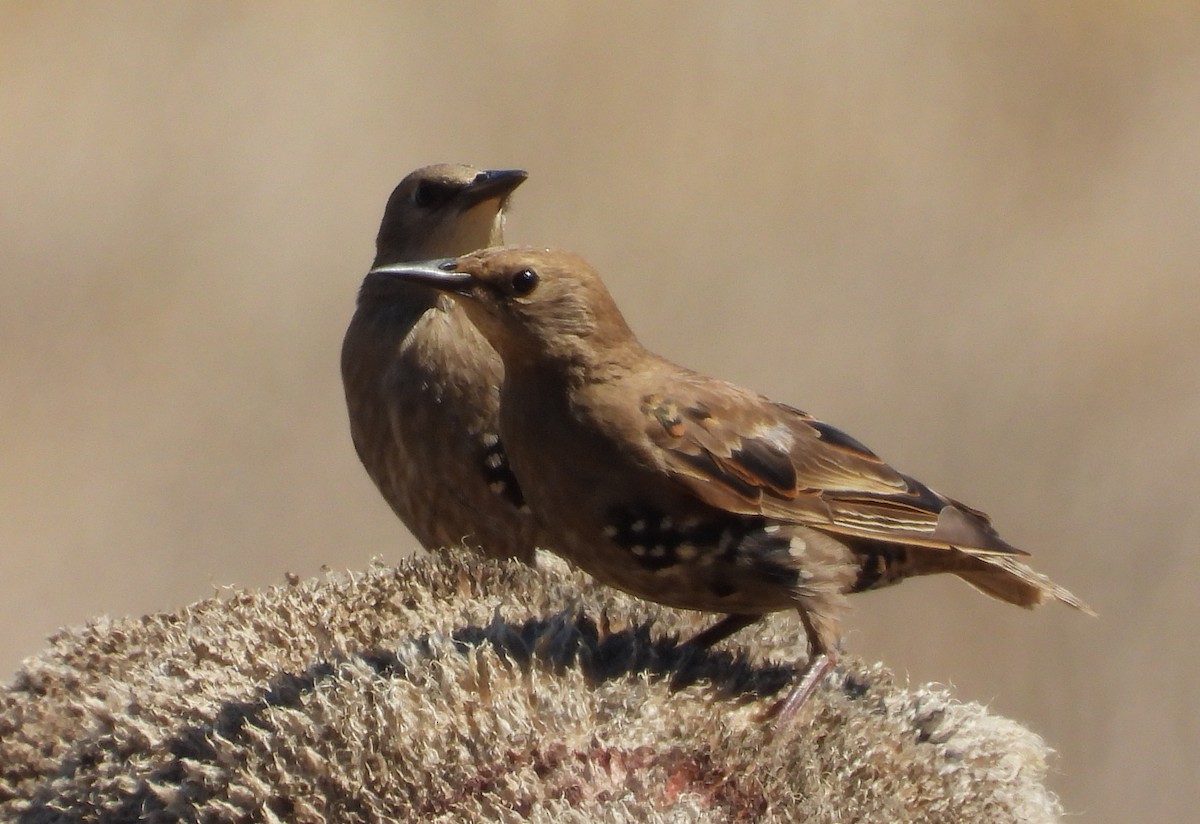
<point>694,492</point>
<point>422,385</point>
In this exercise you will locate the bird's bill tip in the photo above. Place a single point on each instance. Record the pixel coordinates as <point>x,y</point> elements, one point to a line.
<point>513,176</point>
<point>438,274</point>
<point>494,183</point>
<point>436,264</point>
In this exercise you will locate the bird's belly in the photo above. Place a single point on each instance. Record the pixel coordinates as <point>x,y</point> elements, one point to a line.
<point>426,431</point>
<point>698,589</point>
<point>447,494</point>
<point>712,578</point>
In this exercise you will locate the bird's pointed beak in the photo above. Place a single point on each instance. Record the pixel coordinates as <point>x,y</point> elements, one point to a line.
<point>437,274</point>
<point>490,185</point>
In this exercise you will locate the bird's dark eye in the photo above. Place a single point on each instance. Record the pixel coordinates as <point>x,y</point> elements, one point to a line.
<point>524,282</point>
<point>430,194</point>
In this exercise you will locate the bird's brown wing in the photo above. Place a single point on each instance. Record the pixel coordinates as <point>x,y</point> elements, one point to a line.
<point>746,454</point>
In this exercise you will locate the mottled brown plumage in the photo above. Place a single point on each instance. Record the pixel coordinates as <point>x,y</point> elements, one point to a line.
<point>422,385</point>
<point>694,492</point>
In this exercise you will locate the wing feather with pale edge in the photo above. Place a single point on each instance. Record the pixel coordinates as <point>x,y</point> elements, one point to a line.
<point>744,453</point>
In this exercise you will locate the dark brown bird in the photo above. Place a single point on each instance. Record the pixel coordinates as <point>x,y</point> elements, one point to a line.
<point>694,492</point>
<point>422,385</point>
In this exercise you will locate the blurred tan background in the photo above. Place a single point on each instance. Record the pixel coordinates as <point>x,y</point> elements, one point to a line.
<point>969,234</point>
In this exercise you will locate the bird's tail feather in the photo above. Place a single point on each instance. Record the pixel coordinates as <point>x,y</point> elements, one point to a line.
<point>1004,578</point>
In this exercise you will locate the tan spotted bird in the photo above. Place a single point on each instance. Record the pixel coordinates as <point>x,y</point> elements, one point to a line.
<point>422,385</point>
<point>693,492</point>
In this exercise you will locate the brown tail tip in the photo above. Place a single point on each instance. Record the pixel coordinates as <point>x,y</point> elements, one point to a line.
<point>1009,580</point>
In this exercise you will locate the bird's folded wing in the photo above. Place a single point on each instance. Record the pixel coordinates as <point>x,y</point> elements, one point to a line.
<point>743,453</point>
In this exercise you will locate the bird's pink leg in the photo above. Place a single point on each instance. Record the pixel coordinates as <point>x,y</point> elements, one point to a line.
<point>821,659</point>
<point>818,667</point>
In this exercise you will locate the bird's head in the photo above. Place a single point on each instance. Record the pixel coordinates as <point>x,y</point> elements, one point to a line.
<point>443,210</point>
<point>531,304</point>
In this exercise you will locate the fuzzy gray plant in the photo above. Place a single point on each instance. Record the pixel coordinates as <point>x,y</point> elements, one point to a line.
<point>452,688</point>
